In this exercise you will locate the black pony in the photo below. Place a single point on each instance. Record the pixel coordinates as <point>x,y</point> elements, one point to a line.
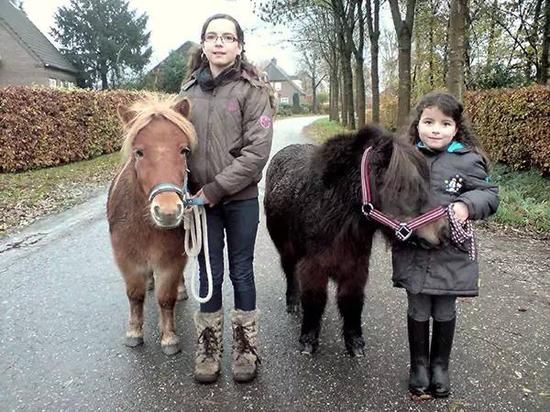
<point>313,205</point>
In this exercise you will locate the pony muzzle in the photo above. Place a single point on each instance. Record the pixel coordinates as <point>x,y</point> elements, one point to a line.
<point>166,205</point>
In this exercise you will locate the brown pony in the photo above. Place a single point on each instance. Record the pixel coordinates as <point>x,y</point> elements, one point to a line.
<point>145,210</point>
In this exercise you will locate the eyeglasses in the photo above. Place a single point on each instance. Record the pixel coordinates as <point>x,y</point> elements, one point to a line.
<point>225,37</point>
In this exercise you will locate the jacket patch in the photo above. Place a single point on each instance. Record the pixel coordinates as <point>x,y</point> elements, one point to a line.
<point>265,121</point>
<point>454,184</point>
<point>232,106</point>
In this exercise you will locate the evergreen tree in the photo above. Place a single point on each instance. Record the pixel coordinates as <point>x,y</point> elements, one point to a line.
<point>104,38</point>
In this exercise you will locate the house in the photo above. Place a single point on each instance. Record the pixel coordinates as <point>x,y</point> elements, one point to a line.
<point>26,56</point>
<point>285,86</point>
<point>161,77</point>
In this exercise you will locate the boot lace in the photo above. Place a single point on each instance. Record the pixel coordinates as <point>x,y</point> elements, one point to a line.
<point>243,343</point>
<point>209,342</point>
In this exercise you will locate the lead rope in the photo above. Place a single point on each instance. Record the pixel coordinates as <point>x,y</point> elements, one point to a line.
<point>462,231</point>
<point>194,223</point>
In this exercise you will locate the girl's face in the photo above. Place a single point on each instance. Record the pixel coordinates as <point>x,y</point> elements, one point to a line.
<point>221,45</point>
<point>435,129</point>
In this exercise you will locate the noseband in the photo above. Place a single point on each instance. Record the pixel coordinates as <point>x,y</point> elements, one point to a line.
<point>182,192</point>
<point>403,230</point>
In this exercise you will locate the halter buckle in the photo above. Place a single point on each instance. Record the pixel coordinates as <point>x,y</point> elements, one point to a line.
<point>367,209</point>
<point>404,232</point>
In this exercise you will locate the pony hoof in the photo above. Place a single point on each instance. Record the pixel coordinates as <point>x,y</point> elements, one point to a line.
<point>293,308</point>
<point>307,349</point>
<point>133,341</point>
<point>171,349</point>
<point>357,352</point>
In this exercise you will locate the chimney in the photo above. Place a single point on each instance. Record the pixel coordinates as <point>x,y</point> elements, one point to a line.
<point>274,61</point>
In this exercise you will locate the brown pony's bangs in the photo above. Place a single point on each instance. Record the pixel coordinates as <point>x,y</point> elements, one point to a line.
<point>144,111</point>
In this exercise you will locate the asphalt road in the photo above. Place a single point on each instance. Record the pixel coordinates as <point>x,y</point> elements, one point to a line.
<point>63,313</point>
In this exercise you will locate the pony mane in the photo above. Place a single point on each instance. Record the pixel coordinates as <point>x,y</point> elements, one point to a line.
<point>146,110</point>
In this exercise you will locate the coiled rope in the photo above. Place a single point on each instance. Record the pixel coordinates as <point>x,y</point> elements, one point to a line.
<point>196,237</point>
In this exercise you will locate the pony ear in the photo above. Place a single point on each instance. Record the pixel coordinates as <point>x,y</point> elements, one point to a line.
<point>183,107</point>
<point>125,114</point>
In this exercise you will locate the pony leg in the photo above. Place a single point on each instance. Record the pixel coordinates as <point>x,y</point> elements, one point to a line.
<point>313,283</point>
<point>292,289</point>
<point>135,290</point>
<point>166,290</point>
<point>182,290</point>
<point>350,298</point>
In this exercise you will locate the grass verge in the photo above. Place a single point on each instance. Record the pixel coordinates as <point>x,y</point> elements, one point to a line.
<point>524,196</point>
<point>26,196</point>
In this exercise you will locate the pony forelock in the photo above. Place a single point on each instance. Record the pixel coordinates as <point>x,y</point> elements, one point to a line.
<point>146,110</point>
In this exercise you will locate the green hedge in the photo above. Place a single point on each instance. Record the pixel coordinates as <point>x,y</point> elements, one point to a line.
<point>41,127</point>
<point>513,125</point>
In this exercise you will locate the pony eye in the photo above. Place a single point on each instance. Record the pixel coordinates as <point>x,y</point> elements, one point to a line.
<point>138,153</point>
<point>185,151</point>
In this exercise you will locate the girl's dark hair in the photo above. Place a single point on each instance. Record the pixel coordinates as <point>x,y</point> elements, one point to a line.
<point>451,107</point>
<point>197,61</point>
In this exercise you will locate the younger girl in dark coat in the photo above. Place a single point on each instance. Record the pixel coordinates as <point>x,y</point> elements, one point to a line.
<point>434,278</point>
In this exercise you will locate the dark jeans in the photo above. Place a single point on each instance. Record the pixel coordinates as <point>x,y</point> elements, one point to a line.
<point>238,220</point>
<point>441,307</point>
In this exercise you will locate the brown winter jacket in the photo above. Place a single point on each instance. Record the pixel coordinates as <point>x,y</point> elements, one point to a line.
<point>456,174</point>
<point>234,124</point>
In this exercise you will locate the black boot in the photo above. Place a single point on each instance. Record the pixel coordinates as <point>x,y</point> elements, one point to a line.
<point>419,346</point>
<point>442,342</point>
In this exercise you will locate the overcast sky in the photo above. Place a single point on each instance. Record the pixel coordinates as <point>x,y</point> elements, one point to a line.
<point>172,22</point>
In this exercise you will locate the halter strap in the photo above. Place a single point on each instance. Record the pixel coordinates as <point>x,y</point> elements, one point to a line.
<point>403,230</point>
<point>182,192</point>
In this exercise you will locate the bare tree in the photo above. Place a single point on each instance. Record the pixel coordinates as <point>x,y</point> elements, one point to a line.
<point>403,29</point>
<point>543,74</point>
<point>373,29</point>
<point>455,75</point>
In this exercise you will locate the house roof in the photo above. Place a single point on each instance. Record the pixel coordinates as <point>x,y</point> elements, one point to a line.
<point>27,33</point>
<point>277,74</point>
<point>183,50</point>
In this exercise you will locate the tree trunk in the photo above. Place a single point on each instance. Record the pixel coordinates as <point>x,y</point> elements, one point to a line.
<point>404,30</point>
<point>341,89</point>
<point>373,28</point>
<point>455,76</point>
<point>104,80</point>
<point>545,45</point>
<point>348,91</point>
<point>360,87</point>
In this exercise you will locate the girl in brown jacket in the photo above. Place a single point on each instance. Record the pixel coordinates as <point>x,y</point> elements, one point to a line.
<point>233,117</point>
<point>434,278</point>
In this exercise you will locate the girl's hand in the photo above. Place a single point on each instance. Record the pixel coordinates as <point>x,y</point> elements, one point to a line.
<point>461,211</point>
<point>200,194</point>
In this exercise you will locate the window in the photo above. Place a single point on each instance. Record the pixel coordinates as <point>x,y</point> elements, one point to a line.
<point>278,86</point>
<point>285,100</point>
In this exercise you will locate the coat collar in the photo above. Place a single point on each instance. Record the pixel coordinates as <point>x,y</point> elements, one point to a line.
<point>453,147</point>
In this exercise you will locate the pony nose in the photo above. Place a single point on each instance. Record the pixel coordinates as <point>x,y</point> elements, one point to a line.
<point>176,213</point>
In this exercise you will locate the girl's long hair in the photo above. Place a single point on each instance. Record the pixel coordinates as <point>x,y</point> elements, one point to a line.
<point>451,107</point>
<point>199,61</point>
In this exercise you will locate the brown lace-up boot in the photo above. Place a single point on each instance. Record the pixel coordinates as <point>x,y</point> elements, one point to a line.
<point>245,345</point>
<point>209,346</point>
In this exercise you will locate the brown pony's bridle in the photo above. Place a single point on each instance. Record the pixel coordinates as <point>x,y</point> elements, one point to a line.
<point>181,192</point>
<point>403,230</point>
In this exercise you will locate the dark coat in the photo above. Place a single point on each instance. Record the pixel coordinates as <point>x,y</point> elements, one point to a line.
<point>234,125</point>
<point>457,174</point>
